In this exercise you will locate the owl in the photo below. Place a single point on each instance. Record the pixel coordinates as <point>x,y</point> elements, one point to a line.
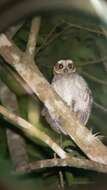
<point>73,89</point>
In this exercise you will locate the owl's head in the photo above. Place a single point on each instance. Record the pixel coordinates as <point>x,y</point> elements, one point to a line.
<point>64,67</point>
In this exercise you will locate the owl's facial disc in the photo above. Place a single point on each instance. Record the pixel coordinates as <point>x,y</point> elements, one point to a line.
<point>64,67</point>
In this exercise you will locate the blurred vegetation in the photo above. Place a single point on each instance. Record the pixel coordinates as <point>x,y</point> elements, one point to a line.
<point>60,37</point>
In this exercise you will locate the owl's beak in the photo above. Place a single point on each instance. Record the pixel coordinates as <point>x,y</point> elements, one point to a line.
<point>65,70</point>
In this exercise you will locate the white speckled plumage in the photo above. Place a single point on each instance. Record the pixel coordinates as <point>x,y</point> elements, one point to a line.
<point>74,90</point>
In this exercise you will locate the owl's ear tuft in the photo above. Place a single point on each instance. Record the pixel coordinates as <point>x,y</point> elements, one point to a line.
<point>61,61</point>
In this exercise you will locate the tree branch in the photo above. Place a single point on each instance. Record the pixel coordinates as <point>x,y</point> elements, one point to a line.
<point>94,78</point>
<point>98,60</point>
<point>13,30</point>
<point>68,162</point>
<point>32,41</point>
<point>32,132</point>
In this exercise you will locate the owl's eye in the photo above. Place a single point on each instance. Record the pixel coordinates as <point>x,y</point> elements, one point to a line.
<point>60,66</point>
<point>70,66</point>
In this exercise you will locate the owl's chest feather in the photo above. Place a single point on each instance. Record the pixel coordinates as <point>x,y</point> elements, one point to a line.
<point>70,88</point>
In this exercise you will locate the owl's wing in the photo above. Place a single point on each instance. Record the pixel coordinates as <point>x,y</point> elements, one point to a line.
<point>54,124</point>
<point>83,114</point>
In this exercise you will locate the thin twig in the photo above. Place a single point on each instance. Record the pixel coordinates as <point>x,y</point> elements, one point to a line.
<point>99,60</point>
<point>84,28</point>
<point>47,41</point>
<point>84,63</point>
<point>69,162</point>
<point>104,30</point>
<point>48,36</point>
<point>97,105</point>
<point>54,37</point>
<point>32,41</point>
<point>93,78</point>
<point>60,175</point>
<point>61,178</point>
<point>69,25</point>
